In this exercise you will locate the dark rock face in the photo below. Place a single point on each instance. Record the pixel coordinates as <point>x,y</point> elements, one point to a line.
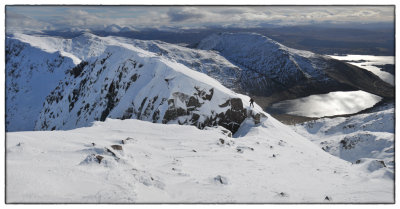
<point>349,142</point>
<point>234,116</point>
<point>230,119</point>
<point>173,112</point>
<point>110,97</point>
<point>76,71</point>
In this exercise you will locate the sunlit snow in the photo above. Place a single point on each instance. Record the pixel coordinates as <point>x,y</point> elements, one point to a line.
<point>182,164</point>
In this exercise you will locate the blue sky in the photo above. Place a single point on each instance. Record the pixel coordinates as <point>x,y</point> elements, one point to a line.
<point>98,17</point>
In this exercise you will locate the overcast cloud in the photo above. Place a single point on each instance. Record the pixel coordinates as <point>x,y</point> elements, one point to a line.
<point>97,17</point>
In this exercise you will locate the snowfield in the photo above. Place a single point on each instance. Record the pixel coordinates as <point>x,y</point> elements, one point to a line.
<point>366,139</point>
<point>157,163</point>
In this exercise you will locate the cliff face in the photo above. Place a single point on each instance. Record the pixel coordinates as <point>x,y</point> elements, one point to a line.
<point>31,74</point>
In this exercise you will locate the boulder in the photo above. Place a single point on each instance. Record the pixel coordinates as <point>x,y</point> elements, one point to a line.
<point>226,132</point>
<point>220,179</point>
<point>127,140</point>
<point>99,158</point>
<point>222,141</point>
<point>241,149</point>
<point>116,147</point>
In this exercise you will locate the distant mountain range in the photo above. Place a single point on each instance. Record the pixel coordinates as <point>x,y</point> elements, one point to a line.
<point>367,39</point>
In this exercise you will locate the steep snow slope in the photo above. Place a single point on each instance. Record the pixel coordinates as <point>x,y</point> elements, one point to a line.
<point>128,82</point>
<point>204,61</point>
<point>172,163</point>
<point>31,74</point>
<point>290,73</point>
<point>366,139</point>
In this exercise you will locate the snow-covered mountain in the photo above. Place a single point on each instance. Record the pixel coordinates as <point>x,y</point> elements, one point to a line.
<point>133,161</point>
<point>270,69</point>
<point>366,139</point>
<point>151,86</point>
<point>118,80</point>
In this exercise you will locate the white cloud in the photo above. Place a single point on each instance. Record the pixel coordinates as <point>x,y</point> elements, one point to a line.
<point>190,16</point>
<point>18,22</point>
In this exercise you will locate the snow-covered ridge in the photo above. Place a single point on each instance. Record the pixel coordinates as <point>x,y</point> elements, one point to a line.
<point>128,82</point>
<point>204,61</point>
<point>88,45</point>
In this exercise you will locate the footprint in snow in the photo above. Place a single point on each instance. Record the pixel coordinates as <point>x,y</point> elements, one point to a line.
<point>282,143</point>
<point>18,147</point>
<point>177,162</point>
<point>179,172</point>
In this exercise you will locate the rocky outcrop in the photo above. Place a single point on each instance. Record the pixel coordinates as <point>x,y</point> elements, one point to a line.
<point>229,119</point>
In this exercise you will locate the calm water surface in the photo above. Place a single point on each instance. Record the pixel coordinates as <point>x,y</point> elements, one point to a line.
<point>333,103</point>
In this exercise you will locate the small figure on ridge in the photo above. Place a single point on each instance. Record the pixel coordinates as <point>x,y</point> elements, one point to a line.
<point>251,101</point>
